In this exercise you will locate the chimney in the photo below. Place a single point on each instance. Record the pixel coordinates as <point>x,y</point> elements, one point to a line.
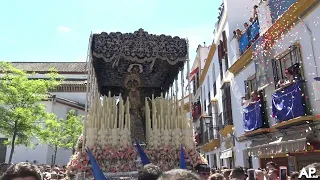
<point>204,44</point>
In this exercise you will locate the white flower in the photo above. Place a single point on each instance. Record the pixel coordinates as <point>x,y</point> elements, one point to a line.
<point>91,137</point>
<point>115,137</point>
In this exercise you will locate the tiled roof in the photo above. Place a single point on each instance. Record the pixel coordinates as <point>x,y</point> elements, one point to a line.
<point>79,67</point>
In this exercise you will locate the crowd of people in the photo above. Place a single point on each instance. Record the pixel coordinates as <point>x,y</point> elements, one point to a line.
<point>28,171</point>
<point>46,171</point>
<point>238,33</point>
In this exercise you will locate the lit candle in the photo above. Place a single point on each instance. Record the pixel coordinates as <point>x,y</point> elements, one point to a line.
<point>115,120</point>
<point>159,122</point>
<point>95,113</point>
<point>129,122</point>
<point>122,114</point>
<point>167,115</point>
<point>98,114</point>
<point>166,122</point>
<point>128,113</point>
<point>179,118</point>
<point>120,111</point>
<point>111,117</point>
<point>153,111</point>
<point>105,111</point>
<point>173,114</point>
<point>146,115</point>
<point>109,106</point>
<point>161,112</point>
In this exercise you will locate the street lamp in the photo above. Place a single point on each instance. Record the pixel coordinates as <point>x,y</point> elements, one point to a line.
<point>207,120</point>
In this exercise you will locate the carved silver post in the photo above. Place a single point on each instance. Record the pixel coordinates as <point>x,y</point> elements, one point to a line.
<point>88,69</point>
<point>189,85</point>
<point>91,83</point>
<point>182,85</point>
<point>177,87</point>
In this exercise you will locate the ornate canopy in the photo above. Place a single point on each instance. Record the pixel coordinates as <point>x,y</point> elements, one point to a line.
<point>159,58</point>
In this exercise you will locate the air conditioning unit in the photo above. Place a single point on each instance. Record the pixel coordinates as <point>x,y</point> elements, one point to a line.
<point>316,89</point>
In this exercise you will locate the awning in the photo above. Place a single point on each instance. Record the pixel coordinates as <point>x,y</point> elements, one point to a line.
<point>286,144</point>
<point>226,154</point>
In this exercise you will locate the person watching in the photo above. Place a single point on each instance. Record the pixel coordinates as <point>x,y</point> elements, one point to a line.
<point>179,174</point>
<point>289,79</point>
<point>237,173</point>
<point>294,176</point>
<point>271,165</point>
<point>258,174</point>
<point>22,171</point>
<point>255,12</point>
<point>273,174</point>
<point>216,176</point>
<point>149,172</point>
<point>226,174</point>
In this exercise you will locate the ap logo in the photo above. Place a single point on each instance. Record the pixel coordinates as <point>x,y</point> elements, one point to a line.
<point>310,174</point>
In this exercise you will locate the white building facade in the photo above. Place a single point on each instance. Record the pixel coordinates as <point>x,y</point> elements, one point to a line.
<point>70,95</point>
<point>280,37</point>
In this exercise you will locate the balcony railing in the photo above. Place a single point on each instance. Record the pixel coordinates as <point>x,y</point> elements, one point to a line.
<point>214,133</point>
<point>279,7</point>
<point>205,138</point>
<point>289,103</point>
<point>249,36</point>
<point>253,117</point>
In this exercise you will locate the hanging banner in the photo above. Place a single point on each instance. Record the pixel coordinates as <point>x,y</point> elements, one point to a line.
<point>262,56</point>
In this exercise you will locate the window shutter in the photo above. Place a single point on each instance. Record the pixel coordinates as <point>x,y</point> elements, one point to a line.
<point>219,53</point>
<point>275,71</point>
<point>225,45</point>
<point>228,103</point>
<point>222,49</point>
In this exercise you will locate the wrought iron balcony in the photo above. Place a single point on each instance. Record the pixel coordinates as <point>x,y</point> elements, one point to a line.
<point>253,117</point>
<point>210,141</point>
<point>289,102</point>
<point>249,36</point>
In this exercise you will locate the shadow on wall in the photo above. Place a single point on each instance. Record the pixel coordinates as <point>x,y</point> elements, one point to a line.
<point>236,91</point>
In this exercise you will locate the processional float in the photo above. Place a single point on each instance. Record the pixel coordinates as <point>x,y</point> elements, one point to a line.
<point>132,93</point>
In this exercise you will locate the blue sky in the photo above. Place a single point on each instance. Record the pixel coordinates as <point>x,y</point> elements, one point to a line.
<point>58,30</point>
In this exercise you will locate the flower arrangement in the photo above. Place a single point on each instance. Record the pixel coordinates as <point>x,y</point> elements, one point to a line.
<point>79,143</point>
<point>115,159</point>
<point>110,160</point>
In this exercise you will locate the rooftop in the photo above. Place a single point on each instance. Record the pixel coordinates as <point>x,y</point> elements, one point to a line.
<point>61,67</point>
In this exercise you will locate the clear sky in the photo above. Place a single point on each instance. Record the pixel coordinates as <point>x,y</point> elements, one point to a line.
<point>58,30</point>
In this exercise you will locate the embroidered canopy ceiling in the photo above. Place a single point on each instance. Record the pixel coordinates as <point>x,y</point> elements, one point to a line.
<point>159,56</point>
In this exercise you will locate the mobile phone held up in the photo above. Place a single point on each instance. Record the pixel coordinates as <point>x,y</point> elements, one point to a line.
<point>283,173</point>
